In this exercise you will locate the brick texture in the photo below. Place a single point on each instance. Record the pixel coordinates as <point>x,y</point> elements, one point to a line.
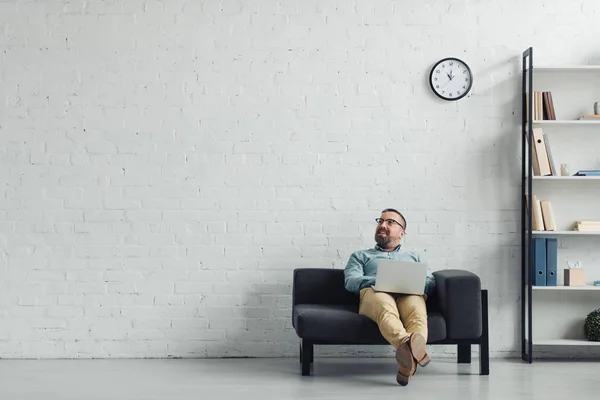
<point>165,165</point>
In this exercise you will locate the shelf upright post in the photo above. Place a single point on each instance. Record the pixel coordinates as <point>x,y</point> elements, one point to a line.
<point>526,204</point>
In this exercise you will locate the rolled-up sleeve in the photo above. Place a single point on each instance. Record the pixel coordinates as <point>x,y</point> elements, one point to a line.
<point>354,277</point>
<point>429,280</point>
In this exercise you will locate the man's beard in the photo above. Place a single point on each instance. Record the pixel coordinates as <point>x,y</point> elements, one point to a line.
<point>382,239</point>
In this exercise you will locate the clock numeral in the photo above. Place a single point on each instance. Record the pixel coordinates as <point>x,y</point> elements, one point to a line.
<point>450,94</point>
<point>443,91</point>
<point>435,79</point>
<point>466,79</point>
<point>451,64</point>
<point>443,65</point>
<point>458,93</point>
<point>464,87</point>
<point>437,86</point>
<point>437,71</point>
<point>465,71</point>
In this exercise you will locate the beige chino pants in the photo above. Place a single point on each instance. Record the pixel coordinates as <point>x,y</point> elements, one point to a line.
<point>397,315</point>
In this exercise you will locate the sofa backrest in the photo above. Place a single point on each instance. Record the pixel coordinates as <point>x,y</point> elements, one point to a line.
<point>321,286</point>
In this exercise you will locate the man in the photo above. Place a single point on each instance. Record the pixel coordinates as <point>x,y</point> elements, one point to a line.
<point>402,319</point>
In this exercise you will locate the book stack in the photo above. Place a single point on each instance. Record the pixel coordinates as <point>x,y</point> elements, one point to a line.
<point>586,226</point>
<point>590,117</point>
<point>542,215</point>
<point>543,106</point>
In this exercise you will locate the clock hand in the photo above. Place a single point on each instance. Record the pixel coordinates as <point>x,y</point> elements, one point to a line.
<point>447,83</point>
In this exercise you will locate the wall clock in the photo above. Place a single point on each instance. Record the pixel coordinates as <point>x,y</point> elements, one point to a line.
<point>451,79</point>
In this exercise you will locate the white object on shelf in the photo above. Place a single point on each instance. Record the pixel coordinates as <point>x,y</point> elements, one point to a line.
<point>564,169</point>
<point>564,342</point>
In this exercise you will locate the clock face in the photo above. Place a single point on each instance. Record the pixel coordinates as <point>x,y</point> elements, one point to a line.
<point>451,79</point>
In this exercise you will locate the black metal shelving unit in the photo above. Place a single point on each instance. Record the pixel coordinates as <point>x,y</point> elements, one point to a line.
<point>526,218</point>
<point>527,176</point>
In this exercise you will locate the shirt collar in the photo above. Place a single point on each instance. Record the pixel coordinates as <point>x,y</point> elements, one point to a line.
<point>393,251</point>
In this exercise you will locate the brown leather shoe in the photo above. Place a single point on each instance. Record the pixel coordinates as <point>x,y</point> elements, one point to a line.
<point>406,364</point>
<point>417,347</point>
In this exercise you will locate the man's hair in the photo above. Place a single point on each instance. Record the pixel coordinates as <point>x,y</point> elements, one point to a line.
<point>397,212</point>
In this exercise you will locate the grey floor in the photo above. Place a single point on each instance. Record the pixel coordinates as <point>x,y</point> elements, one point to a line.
<point>280,379</point>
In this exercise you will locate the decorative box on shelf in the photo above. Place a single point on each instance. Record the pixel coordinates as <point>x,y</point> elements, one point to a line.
<point>574,277</point>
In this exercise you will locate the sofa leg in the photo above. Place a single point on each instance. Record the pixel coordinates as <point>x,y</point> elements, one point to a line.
<point>464,354</point>
<point>307,356</point>
<point>484,346</point>
<point>312,354</point>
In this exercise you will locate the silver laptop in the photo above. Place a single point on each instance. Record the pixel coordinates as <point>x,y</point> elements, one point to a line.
<point>406,277</point>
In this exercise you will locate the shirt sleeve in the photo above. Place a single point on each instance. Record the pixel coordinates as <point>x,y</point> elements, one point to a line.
<point>429,283</point>
<point>354,277</point>
<point>429,280</point>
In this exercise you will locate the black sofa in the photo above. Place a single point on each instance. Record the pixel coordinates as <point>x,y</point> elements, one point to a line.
<point>325,313</point>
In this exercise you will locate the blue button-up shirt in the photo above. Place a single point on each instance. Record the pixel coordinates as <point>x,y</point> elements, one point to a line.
<point>361,269</point>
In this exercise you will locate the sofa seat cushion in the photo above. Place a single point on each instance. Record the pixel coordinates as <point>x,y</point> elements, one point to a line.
<point>436,325</point>
<point>341,324</point>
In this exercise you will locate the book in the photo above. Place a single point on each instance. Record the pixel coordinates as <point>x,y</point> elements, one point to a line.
<point>542,106</point>
<point>590,116</point>
<point>548,106</point>
<point>548,215</point>
<point>537,220</point>
<point>586,226</point>
<point>550,158</point>
<point>552,111</point>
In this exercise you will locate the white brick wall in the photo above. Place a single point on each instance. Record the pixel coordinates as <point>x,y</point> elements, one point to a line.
<point>164,165</point>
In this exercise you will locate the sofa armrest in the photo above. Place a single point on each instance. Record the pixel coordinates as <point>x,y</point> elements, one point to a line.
<point>459,297</point>
<point>320,286</point>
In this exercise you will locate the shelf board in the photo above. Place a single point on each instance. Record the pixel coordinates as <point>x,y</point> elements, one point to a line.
<point>566,233</point>
<point>568,288</point>
<point>568,68</point>
<point>567,122</point>
<point>566,178</point>
<point>564,342</point>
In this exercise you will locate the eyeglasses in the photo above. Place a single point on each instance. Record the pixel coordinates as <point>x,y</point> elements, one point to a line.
<point>387,221</point>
